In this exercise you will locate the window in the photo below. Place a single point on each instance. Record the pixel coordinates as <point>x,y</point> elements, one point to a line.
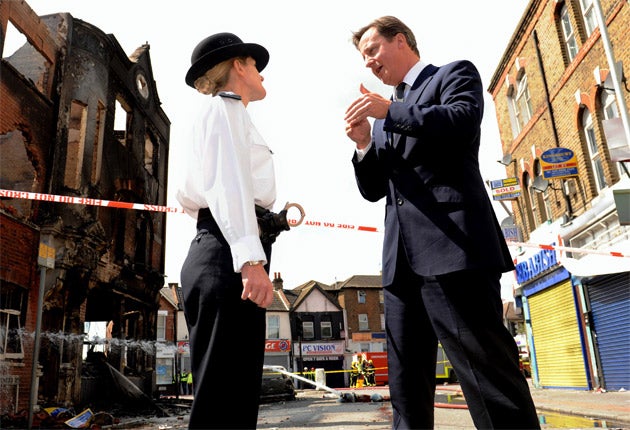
<point>361,296</point>
<point>609,104</point>
<point>568,34</point>
<point>528,216</point>
<point>522,102</point>
<point>383,322</point>
<point>27,59</point>
<point>326,327</point>
<point>593,150</point>
<point>546,213</point>
<point>381,297</point>
<point>519,105</point>
<point>611,115</point>
<point>12,311</point>
<point>363,322</point>
<point>76,145</point>
<point>161,325</point>
<point>150,151</point>
<point>122,117</point>
<point>273,327</point>
<point>99,136</point>
<point>543,199</point>
<point>532,206</point>
<point>588,12</point>
<point>308,330</point>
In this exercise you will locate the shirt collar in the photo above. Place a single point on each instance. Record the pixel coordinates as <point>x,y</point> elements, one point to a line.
<point>414,72</point>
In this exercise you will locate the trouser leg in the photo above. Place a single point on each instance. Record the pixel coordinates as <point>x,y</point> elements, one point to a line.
<point>466,311</point>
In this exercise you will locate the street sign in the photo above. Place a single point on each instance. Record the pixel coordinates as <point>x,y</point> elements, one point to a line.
<point>46,255</point>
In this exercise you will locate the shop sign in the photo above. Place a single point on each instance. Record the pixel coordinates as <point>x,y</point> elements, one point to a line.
<point>277,345</point>
<point>535,265</point>
<point>558,163</point>
<point>321,348</point>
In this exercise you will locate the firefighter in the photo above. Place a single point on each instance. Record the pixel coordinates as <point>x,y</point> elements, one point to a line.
<point>353,373</point>
<point>369,373</point>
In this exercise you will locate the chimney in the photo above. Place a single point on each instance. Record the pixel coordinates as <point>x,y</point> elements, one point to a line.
<point>277,281</point>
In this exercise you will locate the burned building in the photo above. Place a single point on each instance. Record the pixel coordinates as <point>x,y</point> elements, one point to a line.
<point>79,118</point>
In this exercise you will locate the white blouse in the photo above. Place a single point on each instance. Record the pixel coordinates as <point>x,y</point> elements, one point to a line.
<point>230,168</point>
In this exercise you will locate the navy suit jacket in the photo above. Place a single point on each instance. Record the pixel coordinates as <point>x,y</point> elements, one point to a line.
<point>424,161</point>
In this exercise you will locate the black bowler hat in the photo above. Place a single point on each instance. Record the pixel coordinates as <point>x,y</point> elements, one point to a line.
<point>220,47</point>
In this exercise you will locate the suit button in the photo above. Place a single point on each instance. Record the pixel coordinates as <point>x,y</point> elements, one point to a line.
<point>400,201</point>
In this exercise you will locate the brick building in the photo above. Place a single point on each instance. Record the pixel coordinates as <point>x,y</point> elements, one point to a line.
<point>562,114</point>
<point>361,297</point>
<point>81,119</point>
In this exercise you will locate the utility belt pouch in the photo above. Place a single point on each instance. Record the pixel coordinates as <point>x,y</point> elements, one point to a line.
<point>271,224</point>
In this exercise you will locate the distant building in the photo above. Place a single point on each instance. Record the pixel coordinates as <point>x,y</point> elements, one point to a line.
<point>278,325</point>
<point>318,332</point>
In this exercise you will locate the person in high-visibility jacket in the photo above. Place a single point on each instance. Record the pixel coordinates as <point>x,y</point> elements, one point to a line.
<point>189,383</point>
<point>183,382</point>
<point>369,373</point>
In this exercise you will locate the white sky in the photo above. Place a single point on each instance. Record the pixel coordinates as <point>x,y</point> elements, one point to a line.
<point>313,75</point>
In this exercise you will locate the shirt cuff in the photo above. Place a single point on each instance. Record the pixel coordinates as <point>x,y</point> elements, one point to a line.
<point>361,152</point>
<point>248,248</point>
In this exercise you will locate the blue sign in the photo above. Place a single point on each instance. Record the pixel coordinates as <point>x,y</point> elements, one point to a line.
<point>536,265</point>
<point>558,163</point>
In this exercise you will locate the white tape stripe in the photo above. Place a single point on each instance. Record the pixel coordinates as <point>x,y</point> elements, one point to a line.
<point>157,208</point>
<point>86,201</point>
<point>146,207</point>
<point>569,249</point>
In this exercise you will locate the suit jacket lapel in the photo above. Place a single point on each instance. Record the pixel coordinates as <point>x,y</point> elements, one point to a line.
<point>414,95</point>
<point>421,82</point>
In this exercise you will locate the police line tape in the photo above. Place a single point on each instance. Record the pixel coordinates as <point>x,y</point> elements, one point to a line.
<point>26,195</point>
<point>568,249</point>
<point>86,201</point>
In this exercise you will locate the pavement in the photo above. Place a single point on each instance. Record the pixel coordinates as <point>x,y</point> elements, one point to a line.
<point>599,404</point>
<point>557,408</point>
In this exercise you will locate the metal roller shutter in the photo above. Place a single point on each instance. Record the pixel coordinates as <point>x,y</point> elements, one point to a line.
<point>558,349</point>
<point>609,298</point>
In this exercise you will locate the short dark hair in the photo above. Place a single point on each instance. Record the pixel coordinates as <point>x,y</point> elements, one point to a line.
<point>388,27</point>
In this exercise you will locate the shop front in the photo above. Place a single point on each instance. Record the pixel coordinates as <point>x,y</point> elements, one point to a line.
<point>555,329</point>
<point>321,355</point>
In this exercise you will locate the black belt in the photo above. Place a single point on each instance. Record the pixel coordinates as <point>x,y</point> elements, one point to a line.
<point>205,221</point>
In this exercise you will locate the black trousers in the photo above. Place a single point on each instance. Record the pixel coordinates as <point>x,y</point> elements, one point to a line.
<point>227,334</point>
<point>462,310</point>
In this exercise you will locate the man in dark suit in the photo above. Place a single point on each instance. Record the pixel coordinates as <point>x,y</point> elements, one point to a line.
<point>443,251</point>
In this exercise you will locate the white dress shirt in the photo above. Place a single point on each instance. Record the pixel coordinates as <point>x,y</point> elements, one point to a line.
<point>230,168</point>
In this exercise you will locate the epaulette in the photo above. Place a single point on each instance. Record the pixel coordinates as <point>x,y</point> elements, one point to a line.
<point>229,95</point>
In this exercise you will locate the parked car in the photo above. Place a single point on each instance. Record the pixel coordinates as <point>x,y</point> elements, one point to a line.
<point>276,385</point>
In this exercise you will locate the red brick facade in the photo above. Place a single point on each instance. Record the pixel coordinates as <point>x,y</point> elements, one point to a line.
<point>560,90</point>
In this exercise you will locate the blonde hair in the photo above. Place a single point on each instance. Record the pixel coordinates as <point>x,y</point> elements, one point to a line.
<point>215,79</point>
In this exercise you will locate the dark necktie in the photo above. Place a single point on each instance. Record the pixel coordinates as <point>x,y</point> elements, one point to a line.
<point>400,91</point>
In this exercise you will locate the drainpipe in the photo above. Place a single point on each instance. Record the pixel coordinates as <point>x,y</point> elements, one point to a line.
<point>36,348</point>
<point>556,139</point>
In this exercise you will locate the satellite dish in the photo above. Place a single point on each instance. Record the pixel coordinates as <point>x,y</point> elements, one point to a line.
<point>540,184</point>
<point>506,160</point>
